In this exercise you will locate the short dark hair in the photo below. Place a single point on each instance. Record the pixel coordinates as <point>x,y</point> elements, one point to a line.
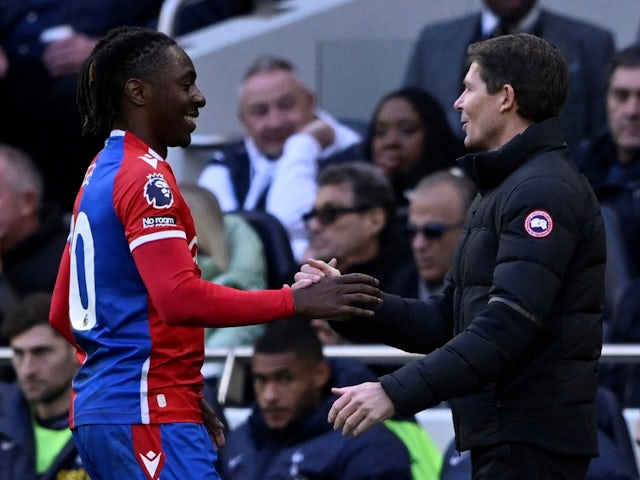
<point>537,71</point>
<point>290,335</point>
<point>123,53</point>
<point>31,310</point>
<point>626,58</point>
<point>370,187</point>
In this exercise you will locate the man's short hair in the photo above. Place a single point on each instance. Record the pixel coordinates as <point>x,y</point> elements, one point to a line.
<point>28,312</point>
<point>291,335</point>
<point>537,71</point>
<point>626,58</point>
<point>370,187</point>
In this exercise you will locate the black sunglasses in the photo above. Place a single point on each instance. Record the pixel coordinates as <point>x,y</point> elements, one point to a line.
<point>328,215</point>
<point>432,231</point>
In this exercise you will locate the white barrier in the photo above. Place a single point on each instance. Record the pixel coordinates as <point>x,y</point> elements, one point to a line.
<point>436,421</point>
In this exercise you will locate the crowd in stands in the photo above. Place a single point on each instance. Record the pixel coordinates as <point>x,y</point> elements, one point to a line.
<point>388,200</point>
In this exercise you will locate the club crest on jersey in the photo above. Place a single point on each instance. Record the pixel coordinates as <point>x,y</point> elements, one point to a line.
<point>157,191</point>
<point>538,224</point>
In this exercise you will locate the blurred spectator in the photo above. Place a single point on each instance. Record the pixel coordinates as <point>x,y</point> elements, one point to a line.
<point>611,159</point>
<point>409,137</point>
<point>7,300</point>
<point>426,459</point>
<point>229,253</point>
<point>611,163</point>
<point>32,234</point>
<point>201,13</point>
<point>34,411</point>
<point>287,433</point>
<point>274,167</point>
<point>43,43</point>
<point>437,61</point>
<point>438,205</point>
<point>354,220</point>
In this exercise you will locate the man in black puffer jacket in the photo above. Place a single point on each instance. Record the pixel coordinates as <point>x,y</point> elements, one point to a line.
<point>514,339</point>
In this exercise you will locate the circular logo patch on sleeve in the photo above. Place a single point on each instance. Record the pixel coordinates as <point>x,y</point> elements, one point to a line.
<point>538,224</point>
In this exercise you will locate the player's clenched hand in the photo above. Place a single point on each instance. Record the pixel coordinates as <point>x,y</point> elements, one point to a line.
<point>351,294</point>
<point>213,424</point>
<point>360,407</point>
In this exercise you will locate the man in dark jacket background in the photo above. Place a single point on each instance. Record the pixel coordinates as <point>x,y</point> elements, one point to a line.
<point>35,440</point>
<point>287,434</point>
<point>514,339</point>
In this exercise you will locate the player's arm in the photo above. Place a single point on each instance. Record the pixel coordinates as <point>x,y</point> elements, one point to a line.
<point>183,298</point>
<point>59,311</point>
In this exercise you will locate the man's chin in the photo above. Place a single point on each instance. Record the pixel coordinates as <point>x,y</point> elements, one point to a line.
<point>272,151</point>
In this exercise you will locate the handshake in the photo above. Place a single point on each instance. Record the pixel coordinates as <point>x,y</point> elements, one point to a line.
<point>320,291</point>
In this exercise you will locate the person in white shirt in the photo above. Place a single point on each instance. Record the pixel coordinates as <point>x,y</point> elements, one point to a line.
<point>287,139</point>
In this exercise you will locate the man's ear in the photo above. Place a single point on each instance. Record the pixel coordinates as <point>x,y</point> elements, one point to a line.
<point>322,373</point>
<point>377,218</point>
<point>136,91</point>
<point>508,98</point>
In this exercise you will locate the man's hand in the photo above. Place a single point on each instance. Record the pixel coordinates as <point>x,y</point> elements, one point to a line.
<point>352,294</point>
<point>321,131</point>
<point>213,424</point>
<point>313,271</point>
<point>359,408</point>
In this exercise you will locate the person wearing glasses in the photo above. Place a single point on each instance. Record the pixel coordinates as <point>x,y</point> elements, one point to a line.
<point>437,207</point>
<point>354,221</point>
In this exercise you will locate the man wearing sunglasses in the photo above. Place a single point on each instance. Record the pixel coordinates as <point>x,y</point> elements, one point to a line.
<point>354,221</point>
<point>437,207</point>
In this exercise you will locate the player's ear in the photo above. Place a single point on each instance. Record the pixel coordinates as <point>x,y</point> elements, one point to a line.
<point>136,91</point>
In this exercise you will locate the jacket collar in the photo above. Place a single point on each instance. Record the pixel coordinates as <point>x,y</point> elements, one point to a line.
<point>489,169</point>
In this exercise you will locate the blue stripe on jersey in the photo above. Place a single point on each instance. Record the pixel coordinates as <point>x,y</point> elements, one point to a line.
<point>118,345</point>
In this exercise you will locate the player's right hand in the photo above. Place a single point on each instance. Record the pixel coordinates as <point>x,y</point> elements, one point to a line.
<point>351,294</point>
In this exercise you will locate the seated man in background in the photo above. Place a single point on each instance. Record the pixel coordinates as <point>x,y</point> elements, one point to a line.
<point>287,434</point>
<point>34,411</point>
<point>426,459</point>
<point>611,163</point>
<point>611,159</point>
<point>437,208</point>
<point>33,234</point>
<point>354,221</point>
<point>274,167</point>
